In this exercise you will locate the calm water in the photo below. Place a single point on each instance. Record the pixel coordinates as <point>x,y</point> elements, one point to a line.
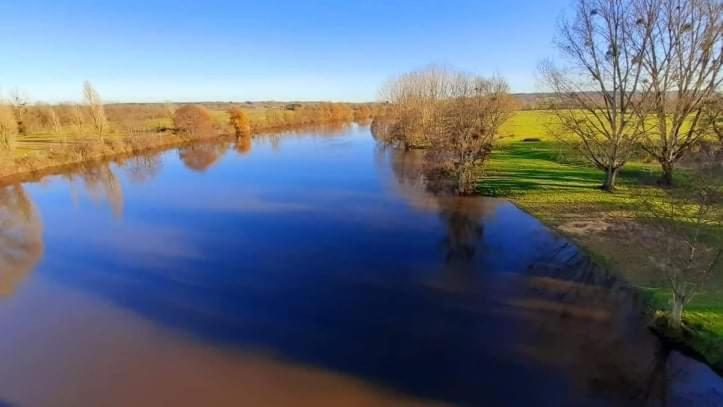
<point>308,269</point>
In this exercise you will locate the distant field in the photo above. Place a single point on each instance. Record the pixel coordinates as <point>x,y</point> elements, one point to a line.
<point>528,124</point>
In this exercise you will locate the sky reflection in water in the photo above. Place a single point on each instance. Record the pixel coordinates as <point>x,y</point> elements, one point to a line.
<point>320,255</point>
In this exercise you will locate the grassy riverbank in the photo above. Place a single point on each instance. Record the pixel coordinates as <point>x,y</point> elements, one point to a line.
<point>136,128</point>
<point>544,177</point>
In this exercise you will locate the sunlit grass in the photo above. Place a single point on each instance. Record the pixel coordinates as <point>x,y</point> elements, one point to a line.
<point>551,181</point>
<point>704,319</point>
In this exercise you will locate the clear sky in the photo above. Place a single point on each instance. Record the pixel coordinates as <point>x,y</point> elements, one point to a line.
<point>156,50</point>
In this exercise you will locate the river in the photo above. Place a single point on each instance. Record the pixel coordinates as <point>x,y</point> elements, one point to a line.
<point>308,268</point>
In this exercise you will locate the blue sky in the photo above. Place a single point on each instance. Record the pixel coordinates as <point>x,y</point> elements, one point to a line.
<point>158,50</point>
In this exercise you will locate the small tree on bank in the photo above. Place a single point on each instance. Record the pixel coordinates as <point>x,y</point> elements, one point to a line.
<point>466,129</point>
<point>453,115</point>
<point>77,119</point>
<point>239,120</point>
<point>681,62</point>
<point>596,93</point>
<point>194,120</point>
<point>55,124</point>
<point>19,101</point>
<point>676,235</point>
<point>96,110</point>
<point>8,126</point>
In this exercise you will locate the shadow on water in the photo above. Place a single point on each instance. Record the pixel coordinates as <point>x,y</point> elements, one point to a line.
<point>470,301</point>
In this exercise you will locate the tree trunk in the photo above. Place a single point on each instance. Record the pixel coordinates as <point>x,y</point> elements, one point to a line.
<point>666,178</point>
<point>676,315</point>
<point>611,175</point>
<point>22,130</point>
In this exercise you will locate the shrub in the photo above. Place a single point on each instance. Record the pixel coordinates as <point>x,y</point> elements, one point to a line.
<point>240,122</point>
<point>193,120</point>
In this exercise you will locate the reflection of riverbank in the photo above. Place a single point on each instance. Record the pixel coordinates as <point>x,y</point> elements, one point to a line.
<point>21,238</point>
<point>570,315</point>
<point>200,157</point>
<point>58,159</point>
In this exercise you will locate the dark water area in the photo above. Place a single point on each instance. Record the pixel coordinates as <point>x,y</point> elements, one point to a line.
<point>308,268</point>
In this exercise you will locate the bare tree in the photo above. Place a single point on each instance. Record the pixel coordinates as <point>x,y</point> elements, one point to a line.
<point>598,89</point>
<point>466,128</point>
<point>20,103</point>
<point>96,110</point>
<point>77,118</point>
<point>682,73</point>
<point>678,236</point>
<point>55,124</point>
<point>413,100</point>
<point>8,126</point>
<point>713,117</point>
<point>454,115</point>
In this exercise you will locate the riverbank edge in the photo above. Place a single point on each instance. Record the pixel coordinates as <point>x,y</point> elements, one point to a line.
<point>687,341</point>
<point>127,148</point>
<point>38,171</point>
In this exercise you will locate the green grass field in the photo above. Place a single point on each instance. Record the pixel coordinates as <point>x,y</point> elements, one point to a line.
<point>550,180</point>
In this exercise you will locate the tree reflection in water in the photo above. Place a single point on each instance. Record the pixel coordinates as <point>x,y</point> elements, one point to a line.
<point>328,130</point>
<point>201,156</point>
<point>21,238</point>
<point>101,183</point>
<point>243,144</point>
<point>462,216</point>
<point>580,317</point>
<point>143,168</point>
<point>585,319</point>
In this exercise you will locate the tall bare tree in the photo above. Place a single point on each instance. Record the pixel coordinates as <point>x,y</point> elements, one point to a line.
<point>77,119</point>
<point>454,115</point>
<point>597,89</point>
<point>20,103</point>
<point>682,74</point>
<point>466,129</point>
<point>8,125</point>
<point>56,125</point>
<point>96,110</point>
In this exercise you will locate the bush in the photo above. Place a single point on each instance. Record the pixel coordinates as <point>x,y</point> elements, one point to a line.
<point>240,122</point>
<point>194,120</point>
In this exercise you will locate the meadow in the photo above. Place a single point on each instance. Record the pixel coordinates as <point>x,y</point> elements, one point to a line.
<point>549,179</point>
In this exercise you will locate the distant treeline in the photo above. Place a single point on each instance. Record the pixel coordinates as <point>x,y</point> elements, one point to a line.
<point>19,116</point>
<point>38,135</point>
